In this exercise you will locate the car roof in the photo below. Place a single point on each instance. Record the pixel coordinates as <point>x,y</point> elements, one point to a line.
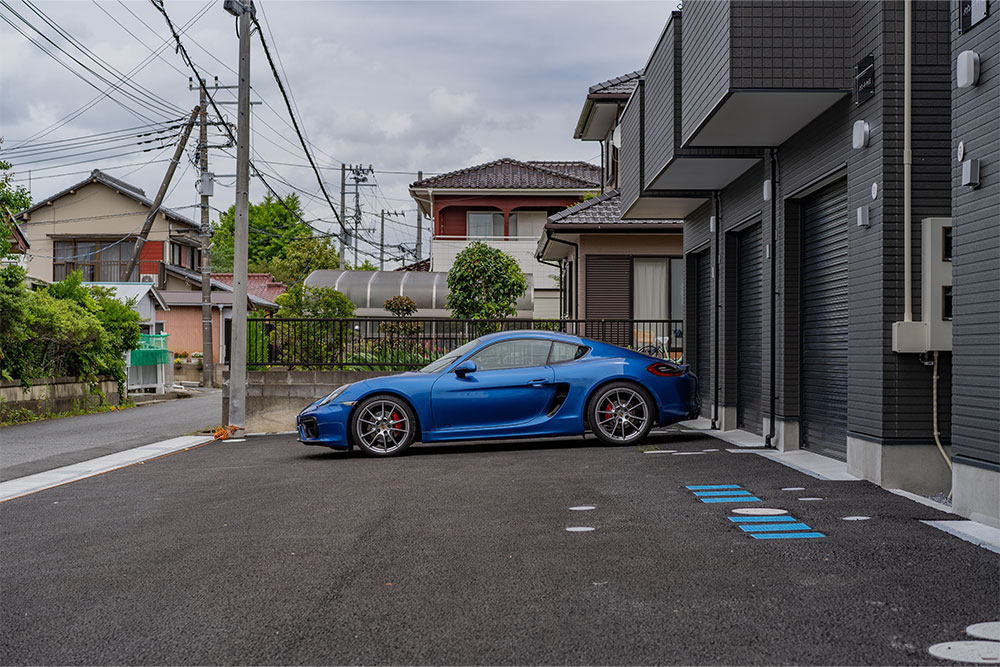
<point>532,333</point>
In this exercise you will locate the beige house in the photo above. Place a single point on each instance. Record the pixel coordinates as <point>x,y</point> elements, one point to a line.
<point>92,226</point>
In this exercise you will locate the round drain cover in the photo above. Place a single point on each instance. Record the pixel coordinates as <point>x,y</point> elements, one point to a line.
<point>759,511</point>
<point>984,653</point>
<point>856,518</point>
<point>579,529</point>
<point>582,508</point>
<point>810,498</point>
<point>989,630</point>
<point>794,488</point>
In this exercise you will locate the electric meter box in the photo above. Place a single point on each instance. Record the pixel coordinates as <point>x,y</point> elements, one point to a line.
<point>933,332</point>
<point>935,284</point>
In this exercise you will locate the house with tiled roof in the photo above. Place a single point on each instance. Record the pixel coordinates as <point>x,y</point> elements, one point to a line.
<point>599,118</point>
<point>617,269</point>
<point>504,203</point>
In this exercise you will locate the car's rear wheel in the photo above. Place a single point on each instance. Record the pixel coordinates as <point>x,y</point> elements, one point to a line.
<point>383,425</point>
<point>620,413</point>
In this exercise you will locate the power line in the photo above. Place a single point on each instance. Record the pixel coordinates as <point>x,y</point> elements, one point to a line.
<point>133,97</point>
<point>73,115</point>
<point>291,113</point>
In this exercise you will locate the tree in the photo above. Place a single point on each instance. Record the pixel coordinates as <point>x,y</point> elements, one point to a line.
<point>314,302</point>
<point>272,228</point>
<point>485,283</point>
<point>363,266</point>
<point>12,198</point>
<point>301,257</point>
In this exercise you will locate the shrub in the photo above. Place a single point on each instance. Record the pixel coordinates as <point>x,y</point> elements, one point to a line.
<point>484,283</point>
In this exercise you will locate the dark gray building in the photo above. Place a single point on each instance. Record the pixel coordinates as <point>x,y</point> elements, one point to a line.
<point>798,141</point>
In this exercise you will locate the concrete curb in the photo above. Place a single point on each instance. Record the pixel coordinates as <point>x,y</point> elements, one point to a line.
<point>23,486</point>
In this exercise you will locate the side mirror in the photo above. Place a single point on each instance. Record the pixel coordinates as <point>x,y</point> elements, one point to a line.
<point>465,368</point>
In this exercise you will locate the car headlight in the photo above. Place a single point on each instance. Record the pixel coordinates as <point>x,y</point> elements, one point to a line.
<point>333,394</point>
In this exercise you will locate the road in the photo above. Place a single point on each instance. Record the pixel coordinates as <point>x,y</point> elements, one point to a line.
<point>26,449</point>
<point>270,552</point>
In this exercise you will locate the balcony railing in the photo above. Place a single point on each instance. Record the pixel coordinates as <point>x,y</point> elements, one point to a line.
<point>104,272</point>
<point>394,344</point>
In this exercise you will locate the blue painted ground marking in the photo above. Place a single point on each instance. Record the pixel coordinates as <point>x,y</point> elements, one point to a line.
<point>774,527</point>
<point>712,486</point>
<point>737,499</point>
<point>784,536</point>
<point>721,493</point>
<point>763,519</point>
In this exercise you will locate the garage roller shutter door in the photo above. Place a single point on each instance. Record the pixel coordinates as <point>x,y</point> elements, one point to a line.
<point>823,426</point>
<point>749,310</point>
<point>703,328</point>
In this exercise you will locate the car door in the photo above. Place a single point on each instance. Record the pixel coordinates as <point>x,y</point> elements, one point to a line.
<point>511,385</point>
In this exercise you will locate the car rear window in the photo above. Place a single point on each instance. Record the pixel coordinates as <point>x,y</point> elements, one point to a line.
<point>563,352</point>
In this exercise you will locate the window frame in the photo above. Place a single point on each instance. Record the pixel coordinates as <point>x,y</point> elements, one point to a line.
<point>472,357</point>
<point>669,259</point>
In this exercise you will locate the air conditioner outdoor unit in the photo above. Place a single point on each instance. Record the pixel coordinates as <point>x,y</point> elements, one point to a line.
<point>147,278</point>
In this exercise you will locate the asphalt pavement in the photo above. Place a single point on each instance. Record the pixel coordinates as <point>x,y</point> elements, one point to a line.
<point>270,552</point>
<point>26,449</point>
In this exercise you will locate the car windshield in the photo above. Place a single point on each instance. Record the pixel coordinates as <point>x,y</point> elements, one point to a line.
<point>445,361</point>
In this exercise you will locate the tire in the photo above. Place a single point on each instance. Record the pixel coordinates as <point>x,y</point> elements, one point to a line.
<point>383,425</point>
<point>620,413</point>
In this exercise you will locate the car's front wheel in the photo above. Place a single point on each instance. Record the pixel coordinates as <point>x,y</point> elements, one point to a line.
<point>620,413</point>
<point>383,425</point>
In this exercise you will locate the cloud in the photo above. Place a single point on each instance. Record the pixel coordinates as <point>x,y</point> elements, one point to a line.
<point>405,86</point>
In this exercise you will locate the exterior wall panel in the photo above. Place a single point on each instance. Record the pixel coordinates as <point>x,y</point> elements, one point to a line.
<point>631,149</point>
<point>705,51</point>
<point>976,258</point>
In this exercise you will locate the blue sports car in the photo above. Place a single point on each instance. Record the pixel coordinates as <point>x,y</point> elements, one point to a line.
<point>515,384</point>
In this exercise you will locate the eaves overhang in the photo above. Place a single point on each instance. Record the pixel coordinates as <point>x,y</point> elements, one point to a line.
<point>757,117</point>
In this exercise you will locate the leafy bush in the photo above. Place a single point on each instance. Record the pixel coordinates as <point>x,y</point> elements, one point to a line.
<point>64,329</point>
<point>484,283</point>
<point>400,306</point>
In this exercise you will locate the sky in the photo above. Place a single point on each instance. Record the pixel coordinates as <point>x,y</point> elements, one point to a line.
<point>401,86</point>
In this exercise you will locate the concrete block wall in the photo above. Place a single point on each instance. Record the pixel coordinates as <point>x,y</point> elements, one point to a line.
<point>56,395</point>
<point>274,398</point>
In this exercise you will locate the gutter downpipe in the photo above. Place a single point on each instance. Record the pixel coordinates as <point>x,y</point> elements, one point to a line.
<point>907,161</point>
<point>769,439</point>
<point>715,323</point>
<point>576,267</point>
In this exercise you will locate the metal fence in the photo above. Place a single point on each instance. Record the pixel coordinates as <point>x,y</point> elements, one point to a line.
<point>407,343</point>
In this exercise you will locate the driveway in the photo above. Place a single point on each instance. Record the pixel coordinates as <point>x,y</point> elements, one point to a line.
<point>270,552</point>
<point>26,449</point>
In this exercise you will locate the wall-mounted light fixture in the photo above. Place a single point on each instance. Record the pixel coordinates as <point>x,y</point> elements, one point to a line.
<point>859,137</point>
<point>970,173</point>
<point>768,190</point>
<point>711,224</point>
<point>863,217</point>
<point>967,69</point>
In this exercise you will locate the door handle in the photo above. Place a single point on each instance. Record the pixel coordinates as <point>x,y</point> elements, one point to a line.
<point>538,382</point>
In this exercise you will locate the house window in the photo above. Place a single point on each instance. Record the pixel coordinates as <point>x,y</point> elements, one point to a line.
<point>483,224</point>
<point>100,260</point>
<point>185,256</point>
<point>658,294</point>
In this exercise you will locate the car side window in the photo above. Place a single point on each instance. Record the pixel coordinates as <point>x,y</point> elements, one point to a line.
<point>563,352</point>
<point>518,353</point>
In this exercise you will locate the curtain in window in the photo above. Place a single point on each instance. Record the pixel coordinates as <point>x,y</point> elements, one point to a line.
<point>649,300</point>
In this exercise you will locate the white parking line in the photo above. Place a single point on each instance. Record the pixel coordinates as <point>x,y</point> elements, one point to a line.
<point>23,486</point>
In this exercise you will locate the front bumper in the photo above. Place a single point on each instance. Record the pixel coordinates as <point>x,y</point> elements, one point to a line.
<point>326,426</point>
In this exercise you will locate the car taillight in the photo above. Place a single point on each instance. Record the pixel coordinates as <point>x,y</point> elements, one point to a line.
<point>665,370</point>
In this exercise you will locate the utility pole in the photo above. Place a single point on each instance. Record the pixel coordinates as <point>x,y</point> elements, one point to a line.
<point>238,358</point>
<point>343,214</point>
<point>381,245</point>
<point>420,224</point>
<point>360,178</point>
<point>155,208</point>
<point>206,188</point>
<point>207,355</point>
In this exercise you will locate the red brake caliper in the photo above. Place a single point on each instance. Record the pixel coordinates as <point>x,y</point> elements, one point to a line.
<point>608,410</point>
<point>394,419</point>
